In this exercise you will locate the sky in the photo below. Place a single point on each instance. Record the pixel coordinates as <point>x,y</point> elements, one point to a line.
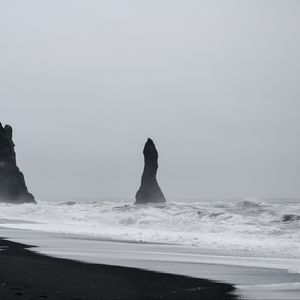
<point>215,84</point>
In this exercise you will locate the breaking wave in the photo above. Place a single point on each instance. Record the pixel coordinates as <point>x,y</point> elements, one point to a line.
<point>252,225</point>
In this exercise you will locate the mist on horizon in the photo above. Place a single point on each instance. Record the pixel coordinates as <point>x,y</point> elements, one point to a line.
<point>214,84</point>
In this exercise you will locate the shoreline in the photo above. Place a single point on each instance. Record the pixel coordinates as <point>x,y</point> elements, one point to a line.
<point>254,281</point>
<point>29,275</point>
<point>254,278</point>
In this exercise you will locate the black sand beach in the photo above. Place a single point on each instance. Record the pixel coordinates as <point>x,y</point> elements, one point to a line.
<point>28,275</point>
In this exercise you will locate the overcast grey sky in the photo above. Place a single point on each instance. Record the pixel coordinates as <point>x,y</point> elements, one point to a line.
<point>214,83</point>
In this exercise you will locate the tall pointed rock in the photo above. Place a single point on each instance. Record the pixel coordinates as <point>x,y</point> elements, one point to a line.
<point>149,191</point>
<point>12,184</point>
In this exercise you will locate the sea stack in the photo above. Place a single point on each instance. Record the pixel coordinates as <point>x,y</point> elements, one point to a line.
<point>149,191</point>
<point>12,184</point>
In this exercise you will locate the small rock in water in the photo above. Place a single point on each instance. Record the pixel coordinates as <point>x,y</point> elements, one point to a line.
<point>290,218</point>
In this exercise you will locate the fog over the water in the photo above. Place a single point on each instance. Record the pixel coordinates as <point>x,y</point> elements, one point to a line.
<point>214,83</point>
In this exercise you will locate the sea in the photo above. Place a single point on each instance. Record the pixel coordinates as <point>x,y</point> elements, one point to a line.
<point>251,243</point>
<point>258,227</point>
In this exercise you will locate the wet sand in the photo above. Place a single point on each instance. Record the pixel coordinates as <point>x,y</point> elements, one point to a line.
<point>25,274</point>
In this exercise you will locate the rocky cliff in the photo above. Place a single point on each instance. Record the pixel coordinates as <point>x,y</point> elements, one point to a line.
<point>12,184</point>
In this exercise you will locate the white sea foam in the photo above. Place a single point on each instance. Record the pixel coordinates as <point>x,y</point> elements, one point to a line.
<point>259,228</point>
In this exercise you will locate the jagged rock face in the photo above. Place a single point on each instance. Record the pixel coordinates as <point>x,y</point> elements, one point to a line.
<point>12,184</point>
<point>150,192</point>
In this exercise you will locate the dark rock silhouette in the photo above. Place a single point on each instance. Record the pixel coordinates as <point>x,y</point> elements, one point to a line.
<point>290,218</point>
<point>12,184</point>
<point>149,191</point>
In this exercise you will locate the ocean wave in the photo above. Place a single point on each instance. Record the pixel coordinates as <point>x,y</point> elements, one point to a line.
<point>249,204</point>
<point>249,225</point>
